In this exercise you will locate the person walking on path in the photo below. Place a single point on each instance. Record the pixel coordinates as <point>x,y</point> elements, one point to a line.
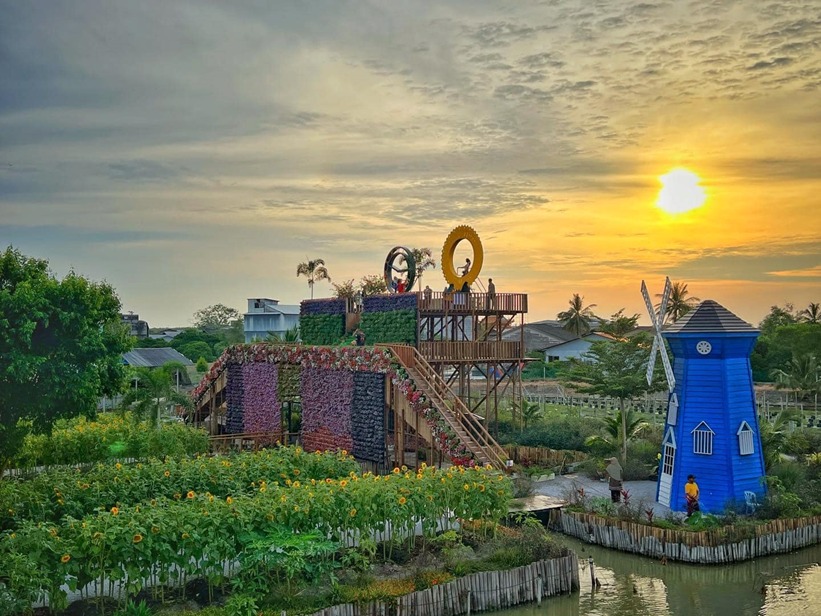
<point>615,476</point>
<point>691,494</point>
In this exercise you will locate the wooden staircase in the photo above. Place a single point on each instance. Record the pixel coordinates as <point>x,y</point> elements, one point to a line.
<point>456,414</point>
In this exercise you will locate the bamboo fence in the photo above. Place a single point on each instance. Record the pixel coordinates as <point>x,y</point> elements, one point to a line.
<point>487,590</point>
<point>724,545</point>
<point>543,456</point>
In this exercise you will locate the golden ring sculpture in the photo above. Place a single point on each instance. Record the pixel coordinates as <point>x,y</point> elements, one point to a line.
<point>458,234</point>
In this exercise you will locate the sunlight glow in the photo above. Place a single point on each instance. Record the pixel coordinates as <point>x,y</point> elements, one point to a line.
<point>680,192</point>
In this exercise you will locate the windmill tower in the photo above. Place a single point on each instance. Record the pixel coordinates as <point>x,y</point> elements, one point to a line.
<point>712,426</point>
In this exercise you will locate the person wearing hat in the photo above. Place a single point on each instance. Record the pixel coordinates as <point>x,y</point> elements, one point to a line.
<point>691,495</point>
<point>614,474</point>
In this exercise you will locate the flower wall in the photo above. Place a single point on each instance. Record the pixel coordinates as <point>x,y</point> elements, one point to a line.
<point>322,321</point>
<point>339,387</point>
<point>326,409</point>
<point>390,318</point>
<point>368,416</point>
<point>261,404</point>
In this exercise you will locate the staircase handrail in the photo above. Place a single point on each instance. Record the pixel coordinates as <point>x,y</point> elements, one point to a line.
<point>456,414</point>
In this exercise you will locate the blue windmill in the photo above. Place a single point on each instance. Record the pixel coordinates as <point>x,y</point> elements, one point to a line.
<point>712,426</point>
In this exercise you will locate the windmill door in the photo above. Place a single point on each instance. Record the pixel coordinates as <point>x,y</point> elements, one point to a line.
<point>668,458</point>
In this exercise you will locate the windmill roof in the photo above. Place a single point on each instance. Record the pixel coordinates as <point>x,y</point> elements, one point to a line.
<point>709,317</point>
<point>154,358</point>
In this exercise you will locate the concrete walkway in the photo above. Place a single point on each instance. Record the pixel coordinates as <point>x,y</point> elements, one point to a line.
<point>641,492</point>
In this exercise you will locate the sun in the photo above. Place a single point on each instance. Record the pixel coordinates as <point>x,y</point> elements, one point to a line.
<point>680,192</point>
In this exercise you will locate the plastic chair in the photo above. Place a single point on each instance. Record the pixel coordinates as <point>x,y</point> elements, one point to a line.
<point>751,501</point>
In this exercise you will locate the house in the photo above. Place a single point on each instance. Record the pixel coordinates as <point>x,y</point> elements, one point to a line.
<point>266,316</point>
<point>539,335</point>
<point>154,358</point>
<point>575,348</point>
<point>166,334</point>
<point>136,327</point>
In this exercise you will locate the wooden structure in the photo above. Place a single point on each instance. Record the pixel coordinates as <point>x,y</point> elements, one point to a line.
<point>460,336</point>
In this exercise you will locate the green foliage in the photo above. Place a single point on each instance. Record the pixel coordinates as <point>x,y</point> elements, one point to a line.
<point>577,318</point>
<point>392,326</point>
<point>314,270</point>
<point>782,338</point>
<point>563,432</point>
<point>373,284</point>
<point>134,609</point>
<point>345,289</point>
<point>216,317</point>
<point>202,365</point>
<point>60,346</point>
<point>322,329</point>
<point>193,350</point>
<point>81,441</point>
<point>155,390</point>
<point>619,325</point>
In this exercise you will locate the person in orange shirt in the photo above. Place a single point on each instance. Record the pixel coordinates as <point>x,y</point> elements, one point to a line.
<point>691,495</point>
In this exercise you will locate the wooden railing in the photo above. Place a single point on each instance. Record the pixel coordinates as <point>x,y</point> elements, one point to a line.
<point>456,414</point>
<point>246,441</point>
<point>472,302</point>
<point>471,350</point>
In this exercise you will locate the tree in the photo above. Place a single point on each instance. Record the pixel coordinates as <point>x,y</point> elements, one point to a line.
<point>424,260</point>
<point>619,325</point>
<point>811,314</point>
<point>194,350</point>
<point>616,370</point>
<point>577,318</point>
<point>152,388</point>
<point>778,317</point>
<point>801,376</point>
<point>373,284</point>
<point>61,346</point>
<point>314,271</point>
<point>678,304</point>
<point>290,335</point>
<point>345,290</point>
<point>616,429</point>
<point>202,365</point>
<point>215,317</point>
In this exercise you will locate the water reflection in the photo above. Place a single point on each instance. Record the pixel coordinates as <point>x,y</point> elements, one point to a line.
<point>784,585</point>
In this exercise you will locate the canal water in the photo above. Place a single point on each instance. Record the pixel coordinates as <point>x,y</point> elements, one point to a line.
<point>631,585</point>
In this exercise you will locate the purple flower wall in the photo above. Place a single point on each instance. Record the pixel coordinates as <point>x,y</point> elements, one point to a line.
<point>326,408</point>
<point>262,409</point>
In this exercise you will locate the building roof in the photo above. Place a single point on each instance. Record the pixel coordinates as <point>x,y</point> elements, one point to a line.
<point>709,317</point>
<point>154,358</point>
<point>597,336</point>
<point>539,335</point>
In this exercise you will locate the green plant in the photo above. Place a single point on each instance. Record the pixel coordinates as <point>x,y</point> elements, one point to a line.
<point>202,365</point>
<point>242,604</point>
<point>601,505</point>
<point>134,609</point>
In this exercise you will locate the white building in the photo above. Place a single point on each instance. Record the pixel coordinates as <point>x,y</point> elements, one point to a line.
<point>267,316</point>
<point>574,348</point>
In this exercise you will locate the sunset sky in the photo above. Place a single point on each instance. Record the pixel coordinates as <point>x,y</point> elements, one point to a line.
<point>193,152</point>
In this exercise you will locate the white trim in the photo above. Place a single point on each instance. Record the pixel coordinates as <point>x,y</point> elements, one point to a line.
<point>703,439</point>
<point>746,445</point>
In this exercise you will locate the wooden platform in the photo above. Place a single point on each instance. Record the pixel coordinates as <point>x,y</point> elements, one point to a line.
<point>538,505</point>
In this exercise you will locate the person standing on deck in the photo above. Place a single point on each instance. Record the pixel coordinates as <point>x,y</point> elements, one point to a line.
<point>491,294</point>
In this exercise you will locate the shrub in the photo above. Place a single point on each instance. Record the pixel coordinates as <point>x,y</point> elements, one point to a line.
<point>202,365</point>
<point>558,433</point>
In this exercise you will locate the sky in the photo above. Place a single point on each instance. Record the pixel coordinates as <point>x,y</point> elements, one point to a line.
<point>193,152</point>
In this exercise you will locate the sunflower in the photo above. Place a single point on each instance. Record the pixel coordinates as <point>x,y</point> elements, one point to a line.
<point>167,473</point>
<point>352,512</point>
<point>229,500</point>
<point>137,538</point>
<point>186,536</point>
<point>115,511</point>
<point>402,500</point>
<point>65,558</point>
<point>190,494</point>
<point>396,471</point>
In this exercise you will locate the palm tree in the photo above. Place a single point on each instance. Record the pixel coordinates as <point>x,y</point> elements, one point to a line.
<point>424,260</point>
<point>618,433</point>
<point>288,336</point>
<point>811,314</point>
<point>577,318</point>
<point>678,304</point>
<point>774,437</point>
<point>313,270</point>
<point>801,376</point>
<point>154,387</point>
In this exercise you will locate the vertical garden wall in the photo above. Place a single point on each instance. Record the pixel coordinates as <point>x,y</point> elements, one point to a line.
<point>322,321</point>
<point>390,318</point>
<point>342,391</point>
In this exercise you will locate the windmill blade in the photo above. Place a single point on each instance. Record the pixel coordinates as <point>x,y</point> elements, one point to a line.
<point>665,297</point>
<point>668,369</point>
<point>651,365</point>
<point>649,304</point>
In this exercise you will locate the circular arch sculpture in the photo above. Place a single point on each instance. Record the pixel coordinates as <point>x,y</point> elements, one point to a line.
<point>406,256</point>
<point>458,234</point>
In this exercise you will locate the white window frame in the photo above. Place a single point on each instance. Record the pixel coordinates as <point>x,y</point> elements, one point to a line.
<point>668,452</point>
<point>746,443</point>
<point>703,439</point>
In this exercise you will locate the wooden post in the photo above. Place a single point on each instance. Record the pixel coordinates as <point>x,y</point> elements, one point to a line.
<point>592,573</point>
<point>468,610</point>
<point>539,584</point>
